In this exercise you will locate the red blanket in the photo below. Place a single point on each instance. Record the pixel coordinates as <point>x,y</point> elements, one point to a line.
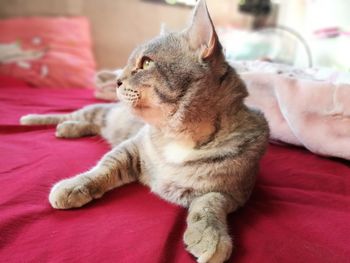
<point>299,211</point>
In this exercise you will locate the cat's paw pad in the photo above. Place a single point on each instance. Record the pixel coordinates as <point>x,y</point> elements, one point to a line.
<point>67,130</point>
<point>207,242</point>
<point>30,119</point>
<point>70,193</point>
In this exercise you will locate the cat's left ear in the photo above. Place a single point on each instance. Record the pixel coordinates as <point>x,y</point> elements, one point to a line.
<point>201,32</point>
<point>164,30</point>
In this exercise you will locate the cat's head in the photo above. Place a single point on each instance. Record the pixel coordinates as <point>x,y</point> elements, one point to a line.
<point>177,75</point>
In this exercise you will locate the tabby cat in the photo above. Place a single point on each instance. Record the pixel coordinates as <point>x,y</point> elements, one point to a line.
<point>182,129</point>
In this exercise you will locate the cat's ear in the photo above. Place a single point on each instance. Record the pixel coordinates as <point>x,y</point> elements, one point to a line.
<point>201,32</point>
<point>164,30</point>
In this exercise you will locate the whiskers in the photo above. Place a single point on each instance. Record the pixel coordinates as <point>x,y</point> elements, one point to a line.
<point>129,96</point>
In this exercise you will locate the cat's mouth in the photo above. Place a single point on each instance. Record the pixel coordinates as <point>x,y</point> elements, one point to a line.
<point>129,96</point>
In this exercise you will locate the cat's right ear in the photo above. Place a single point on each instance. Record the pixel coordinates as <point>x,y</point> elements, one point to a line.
<point>201,33</point>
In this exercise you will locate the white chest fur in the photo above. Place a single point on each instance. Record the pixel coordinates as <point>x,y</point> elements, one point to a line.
<point>177,153</point>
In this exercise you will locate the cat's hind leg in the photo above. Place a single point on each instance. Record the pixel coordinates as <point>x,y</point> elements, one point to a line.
<point>76,129</point>
<point>83,122</point>
<point>43,119</point>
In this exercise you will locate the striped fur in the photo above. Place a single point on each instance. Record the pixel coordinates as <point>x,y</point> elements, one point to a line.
<point>182,129</point>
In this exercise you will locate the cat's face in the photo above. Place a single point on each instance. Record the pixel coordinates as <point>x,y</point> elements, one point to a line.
<point>172,71</point>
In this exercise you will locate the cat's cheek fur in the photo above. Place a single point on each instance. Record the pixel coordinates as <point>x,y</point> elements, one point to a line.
<point>150,110</point>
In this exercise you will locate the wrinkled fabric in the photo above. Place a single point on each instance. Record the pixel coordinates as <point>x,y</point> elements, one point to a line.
<point>308,107</point>
<point>302,112</point>
<point>299,210</point>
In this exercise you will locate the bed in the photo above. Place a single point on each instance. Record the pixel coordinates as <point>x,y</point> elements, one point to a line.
<point>299,210</point>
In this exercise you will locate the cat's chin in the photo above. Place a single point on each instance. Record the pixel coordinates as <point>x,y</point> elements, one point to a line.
<point>140,108</point>
<point>148,114</point>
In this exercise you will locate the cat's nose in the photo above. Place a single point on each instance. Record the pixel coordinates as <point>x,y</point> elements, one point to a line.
<point>119,83</point>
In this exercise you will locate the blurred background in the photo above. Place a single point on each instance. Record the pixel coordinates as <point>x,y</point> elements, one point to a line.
<point>296,32</point>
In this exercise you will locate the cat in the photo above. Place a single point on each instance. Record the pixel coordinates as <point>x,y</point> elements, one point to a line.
<point>181,128</point>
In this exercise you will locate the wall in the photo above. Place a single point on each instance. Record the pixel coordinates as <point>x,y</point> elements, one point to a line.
<point>119,26</point>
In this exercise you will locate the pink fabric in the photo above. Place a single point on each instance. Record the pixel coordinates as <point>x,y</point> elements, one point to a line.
<point>50,52</point>
<point>299,210</point>
<point>313,114</point>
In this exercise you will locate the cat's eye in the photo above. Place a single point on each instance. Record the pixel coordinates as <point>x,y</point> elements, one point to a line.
<point>146,63</point>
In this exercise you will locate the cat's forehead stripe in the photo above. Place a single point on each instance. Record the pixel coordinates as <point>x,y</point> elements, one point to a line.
<point>163,45</point>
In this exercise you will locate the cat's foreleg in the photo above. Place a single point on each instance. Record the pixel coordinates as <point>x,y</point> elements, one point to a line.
<point>207,236</point>
<point>118,167</point>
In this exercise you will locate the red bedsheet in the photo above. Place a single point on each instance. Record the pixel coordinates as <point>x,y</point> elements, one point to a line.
<point>299,211</point>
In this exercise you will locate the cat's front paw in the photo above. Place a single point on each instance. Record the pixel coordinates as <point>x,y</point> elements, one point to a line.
<point>207,242</point>
<point>70,193</point>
